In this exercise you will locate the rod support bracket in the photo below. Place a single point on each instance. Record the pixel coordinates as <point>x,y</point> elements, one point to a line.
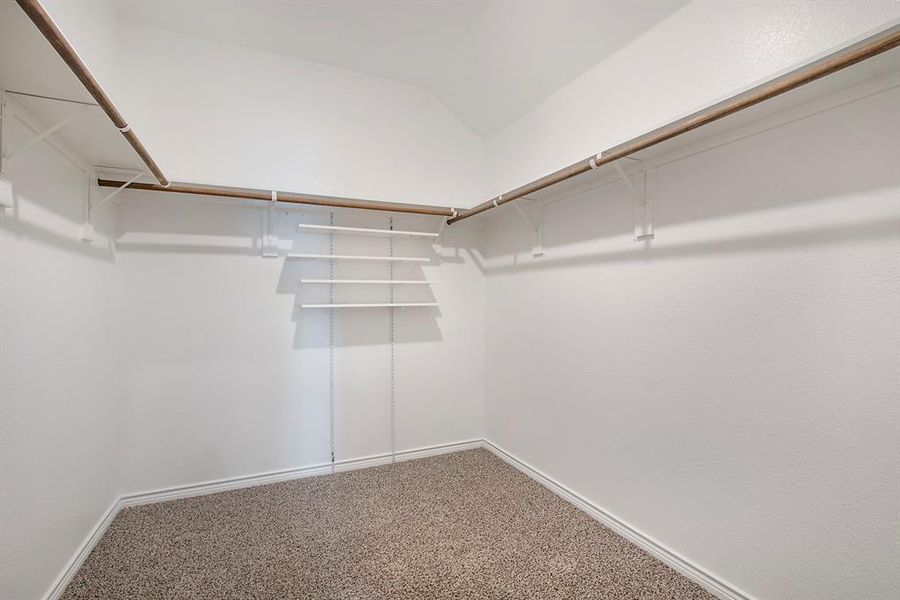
<point>535,223</point>
<point>643,214</point>
<point>270,226</point>
<point>42,135</point>
<point>6,188</point>
<point>438,241</point>
<point>115,192</point>
<point>6,193</point>
<point>87,226</point>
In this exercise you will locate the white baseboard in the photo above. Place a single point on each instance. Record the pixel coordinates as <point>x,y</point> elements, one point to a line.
<point>233,483</point>
<point>710,582</point>
<point>93,536</point>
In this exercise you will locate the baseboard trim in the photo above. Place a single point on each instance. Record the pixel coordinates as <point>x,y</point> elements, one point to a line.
<point>710,582</point>
<point>233,483</point>
<point>93,536</point>
<point>684,566</point>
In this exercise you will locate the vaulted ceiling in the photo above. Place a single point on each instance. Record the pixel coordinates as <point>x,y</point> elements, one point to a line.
<point>488,61</point>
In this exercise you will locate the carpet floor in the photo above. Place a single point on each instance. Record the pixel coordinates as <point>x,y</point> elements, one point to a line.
<point>463,525</point>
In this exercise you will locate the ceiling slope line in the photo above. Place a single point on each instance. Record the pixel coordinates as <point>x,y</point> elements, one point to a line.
<point>867,48</point>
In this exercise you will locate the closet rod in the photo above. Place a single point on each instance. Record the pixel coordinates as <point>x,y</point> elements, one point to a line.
<point>45,24</point>
<point>841,59</point>
<point>225,192</point>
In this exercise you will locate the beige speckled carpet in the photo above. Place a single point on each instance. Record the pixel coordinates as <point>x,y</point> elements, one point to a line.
<point>462,525</point>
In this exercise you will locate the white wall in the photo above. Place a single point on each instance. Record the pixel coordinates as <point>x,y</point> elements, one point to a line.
<point>60,393</point>
<point>704,52</point>
<point>278,122</point>
<point>225,377</point>
<point>731,388</point>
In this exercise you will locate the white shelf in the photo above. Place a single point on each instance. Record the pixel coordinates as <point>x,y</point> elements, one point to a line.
<point>382,305</point>
<point>415,259</point>
<point>363,231</point>
<point>373,281</point>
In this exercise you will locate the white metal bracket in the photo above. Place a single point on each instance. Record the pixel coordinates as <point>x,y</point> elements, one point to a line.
<point>6,193</point>
<point>36,127</point>
<point>270,222</point>
<point>535,222</point>
<point>117,191</point>
<point>438,241</point>
<point>6,189</point>
<point>643,214</point>
<point>87,228</point>
<point>45,133</point>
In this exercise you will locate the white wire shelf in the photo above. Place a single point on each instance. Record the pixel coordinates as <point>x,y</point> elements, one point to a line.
<point>416,259</point>
<point>377,305</point>
<point>364,231</point>
<point>373,281</point>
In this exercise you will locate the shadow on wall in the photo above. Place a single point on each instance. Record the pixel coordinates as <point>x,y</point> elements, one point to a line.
<point>769,176</point>
<point>49,196</point>
<point>224,244</point>
<point>369,325</point>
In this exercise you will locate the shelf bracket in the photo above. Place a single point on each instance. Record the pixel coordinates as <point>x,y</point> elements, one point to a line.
<point>45,133</point>
<point>6,189</point>
<point>87,227</point>
<point>270,222</point>
<point>439,241</point>
<point>117,191</point>
<point>643,214</point>
<point>535,222</point>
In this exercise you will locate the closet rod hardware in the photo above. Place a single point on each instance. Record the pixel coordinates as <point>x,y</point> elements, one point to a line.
<point>867,48</point>
<point>643,219</point>
<point>44,134</point>
<point>36,126</point>
<point>269,242</point>
<point>238,193</point>
<point>48,28</point>
<point>535,224</point>
<point>111,195</point>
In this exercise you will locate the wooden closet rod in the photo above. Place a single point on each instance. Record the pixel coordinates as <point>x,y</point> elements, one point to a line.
<point>45,24</point>
<point>867,48</point>
<point>225,192</point>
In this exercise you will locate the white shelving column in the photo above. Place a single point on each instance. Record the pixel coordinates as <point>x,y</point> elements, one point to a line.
<point>331,347</point>
<point>332,231</point>
<point>392,309</point>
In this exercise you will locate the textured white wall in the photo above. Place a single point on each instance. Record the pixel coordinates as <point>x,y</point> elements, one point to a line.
<point>225,377</point>
<point>704,52</point>
<point>59,389</point>
<point>731,389</point>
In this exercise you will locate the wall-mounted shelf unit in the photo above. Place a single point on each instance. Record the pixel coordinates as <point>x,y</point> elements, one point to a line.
<point>415,259</point>
<point>376,305</point>
<point>365,231</point>
<point>373,281</point>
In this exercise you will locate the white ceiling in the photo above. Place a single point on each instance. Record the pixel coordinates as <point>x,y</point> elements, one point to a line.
<point>489,61</point>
